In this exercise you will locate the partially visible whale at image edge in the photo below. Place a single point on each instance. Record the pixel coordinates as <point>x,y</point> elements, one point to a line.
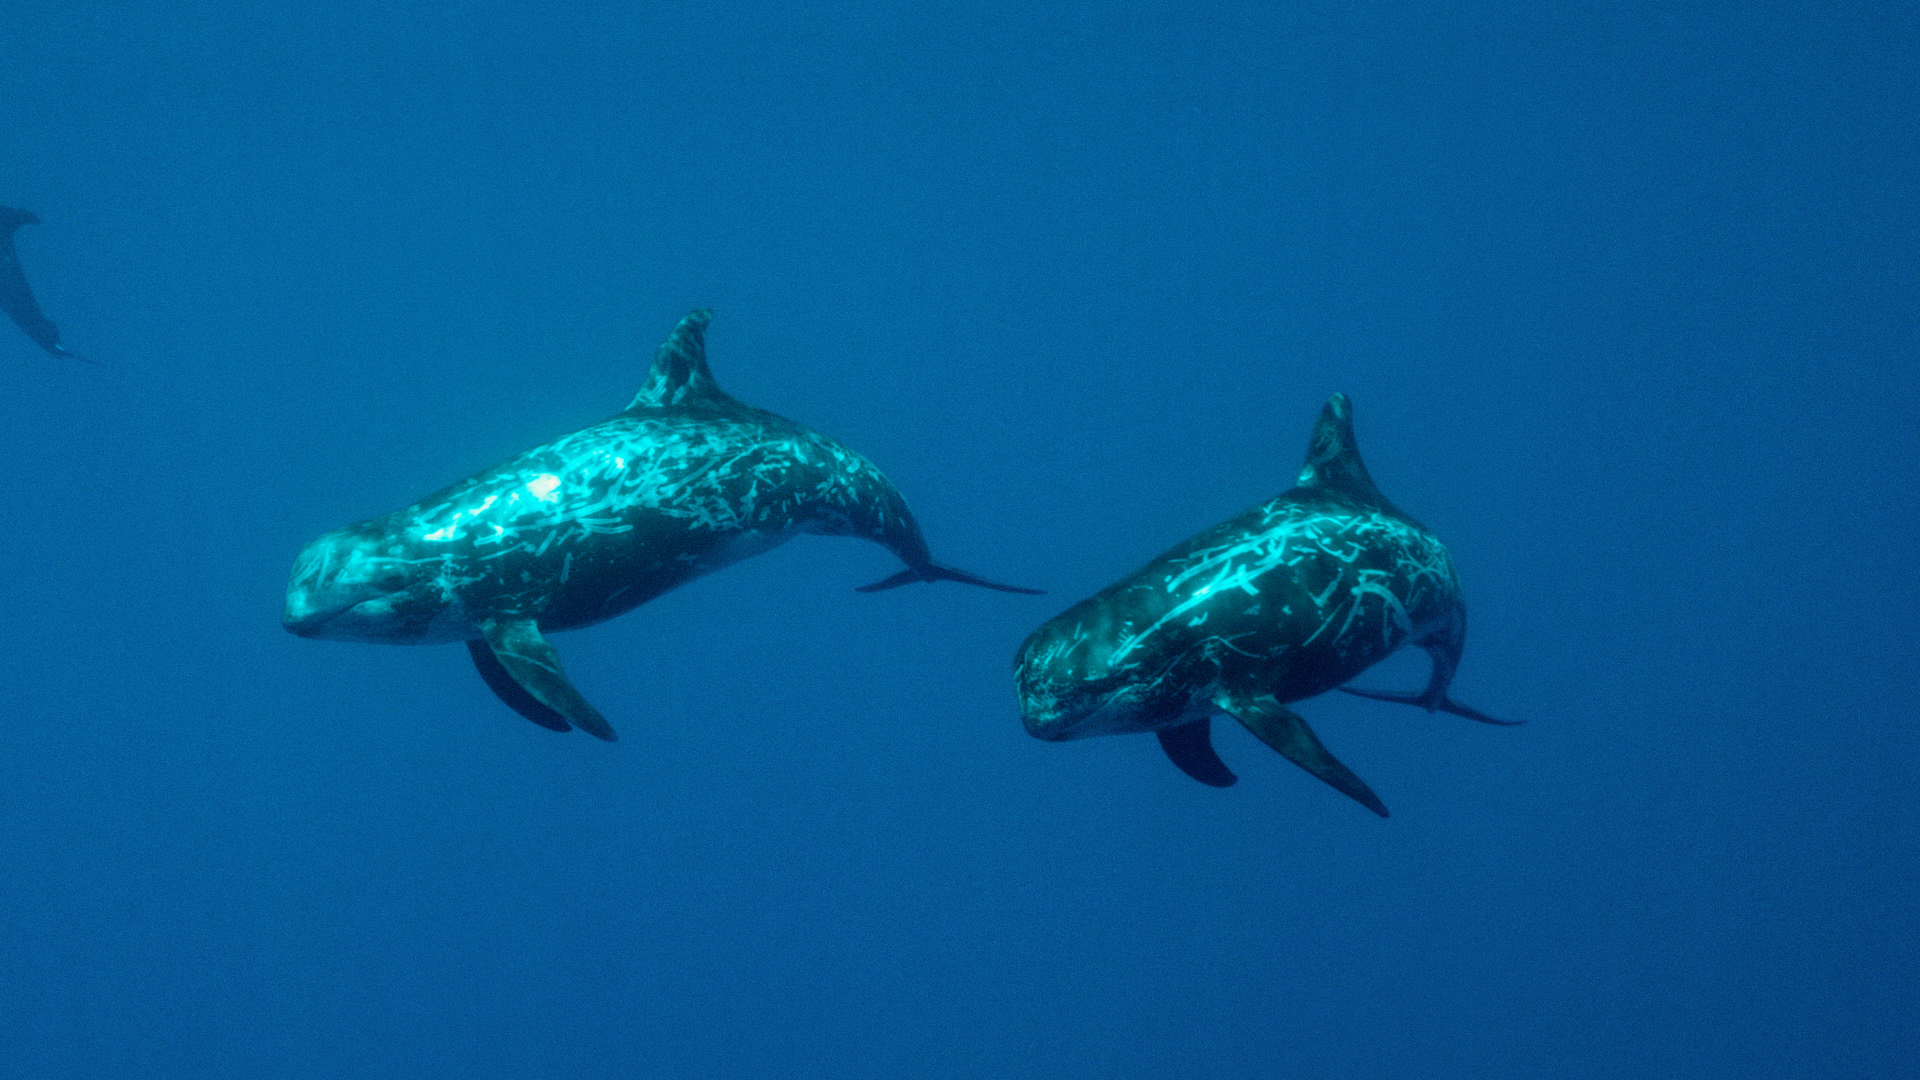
<point>16,296</point>
<point>684,481</point>
<point>1286,601</point>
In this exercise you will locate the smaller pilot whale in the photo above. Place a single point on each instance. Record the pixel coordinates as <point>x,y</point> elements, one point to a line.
<point>16,296</point>
<point>1288,600</point>
<point>684,481</point>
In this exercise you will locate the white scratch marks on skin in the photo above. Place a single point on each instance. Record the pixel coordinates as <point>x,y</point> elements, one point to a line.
<point>1320,602</point>
<point>1296,591</point>
<point>1287,542</point>
<point>680,495</point>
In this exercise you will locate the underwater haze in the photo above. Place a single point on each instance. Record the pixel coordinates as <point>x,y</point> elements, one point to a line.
<point>1625,299</point>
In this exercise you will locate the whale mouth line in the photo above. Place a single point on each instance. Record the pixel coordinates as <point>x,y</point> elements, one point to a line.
<point>316,620</point>
<point>311,624</point>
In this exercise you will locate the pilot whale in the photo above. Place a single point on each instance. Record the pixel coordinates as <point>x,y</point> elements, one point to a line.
<point>1288,600</point>
<point>16,296</point>
<point>684,481</point>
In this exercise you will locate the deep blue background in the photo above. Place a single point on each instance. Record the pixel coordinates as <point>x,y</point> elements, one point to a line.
<point>1624,294</point>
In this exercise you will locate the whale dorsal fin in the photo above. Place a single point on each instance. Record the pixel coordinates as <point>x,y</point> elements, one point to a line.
<point>12,217</point>
<point>1333,461</point>
<point>679,375</point>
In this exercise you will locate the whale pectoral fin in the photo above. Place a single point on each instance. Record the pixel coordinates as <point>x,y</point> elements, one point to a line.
<point>494,674</point>
<point>1190,746</point>
<point>533,665</point>
<point>1419,697</point>
<point>936,572</point>
<point>1284,730</point>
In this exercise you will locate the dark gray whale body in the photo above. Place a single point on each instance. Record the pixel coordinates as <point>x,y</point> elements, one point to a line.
<point>16,296</point>
<point>1288,600</point>
<point>684,481</point>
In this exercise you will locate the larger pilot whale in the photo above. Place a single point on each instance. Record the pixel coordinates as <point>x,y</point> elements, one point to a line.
<point>682,482</point>
<point>1288,600</point>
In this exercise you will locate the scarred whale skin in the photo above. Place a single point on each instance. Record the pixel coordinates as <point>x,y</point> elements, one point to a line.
<point>684,481</point>
<point>1288,600</point>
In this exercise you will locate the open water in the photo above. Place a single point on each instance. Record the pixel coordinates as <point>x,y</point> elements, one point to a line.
<point>1624,295</point>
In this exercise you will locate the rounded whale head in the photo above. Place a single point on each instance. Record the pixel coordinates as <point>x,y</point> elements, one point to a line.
<point>1077,678</point>
<point>357,584</point>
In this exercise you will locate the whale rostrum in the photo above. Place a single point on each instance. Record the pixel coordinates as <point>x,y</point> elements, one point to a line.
<point>682,482</point>
<point>1286,601</point>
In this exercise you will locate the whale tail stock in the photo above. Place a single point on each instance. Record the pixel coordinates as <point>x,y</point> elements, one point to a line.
<point>933,571</point>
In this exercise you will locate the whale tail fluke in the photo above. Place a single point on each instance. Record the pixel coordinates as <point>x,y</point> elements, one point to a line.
<point>933,571</point>
<point>1431,703</point>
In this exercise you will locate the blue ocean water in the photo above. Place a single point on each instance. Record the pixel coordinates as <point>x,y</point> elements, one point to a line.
<point>1624,296</point>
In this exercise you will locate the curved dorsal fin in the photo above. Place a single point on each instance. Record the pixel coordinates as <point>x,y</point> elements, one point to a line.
<point>12,218</point>
<point>679,375</point>
<point>1333,461</point>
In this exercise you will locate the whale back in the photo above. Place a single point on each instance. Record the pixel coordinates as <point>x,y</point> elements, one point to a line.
<point>852,497</point>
